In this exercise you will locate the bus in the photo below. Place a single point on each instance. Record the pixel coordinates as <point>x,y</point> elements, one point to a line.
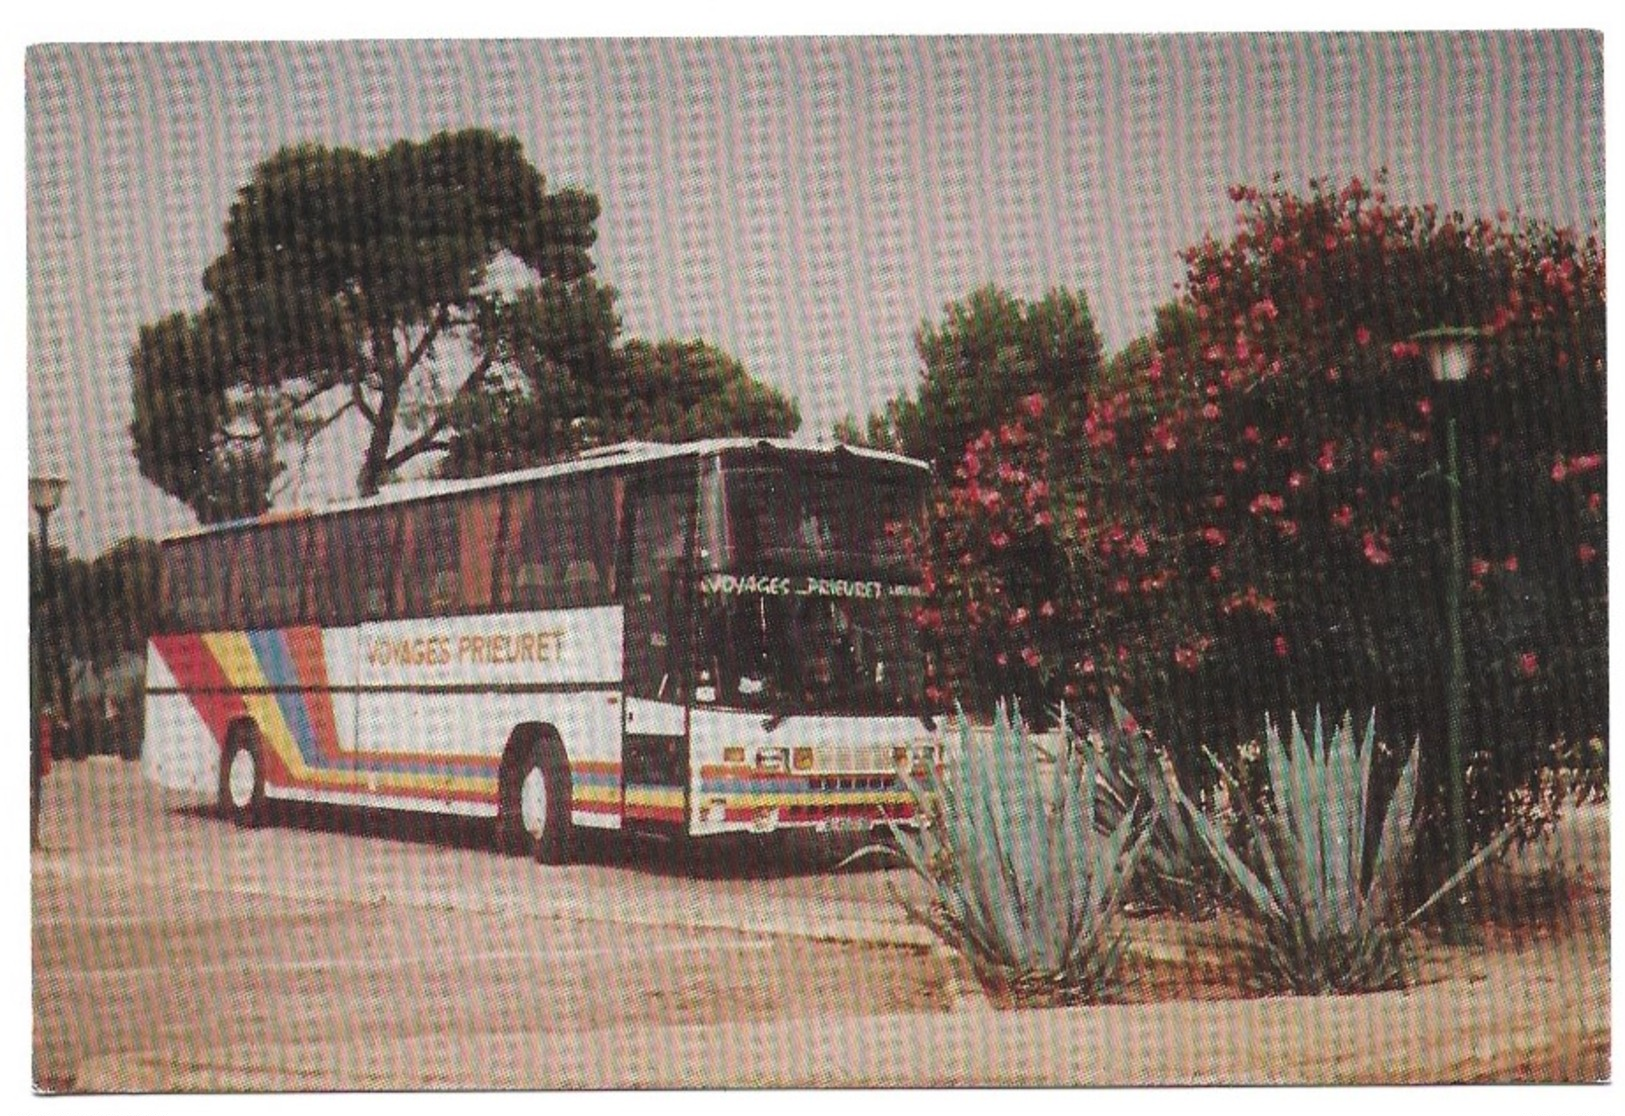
<point>683,640</point>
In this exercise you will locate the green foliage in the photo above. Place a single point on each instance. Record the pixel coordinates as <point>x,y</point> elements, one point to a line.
<point>1177,873</point>
<point>666,391</point>
<point>987,351</point>
<point>355,281</point>
<point>1260,483</point>
<point>1328,895</point>
<point>1026,886</point>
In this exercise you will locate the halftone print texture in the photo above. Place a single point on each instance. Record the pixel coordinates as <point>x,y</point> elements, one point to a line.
<point>537,515</point>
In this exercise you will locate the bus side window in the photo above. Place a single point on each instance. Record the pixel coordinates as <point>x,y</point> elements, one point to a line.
<point>432,577</point>
<point>374,564</point>
<point>479,518</point>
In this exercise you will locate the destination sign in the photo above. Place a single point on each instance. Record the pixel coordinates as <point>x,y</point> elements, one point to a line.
<point>727,584</point>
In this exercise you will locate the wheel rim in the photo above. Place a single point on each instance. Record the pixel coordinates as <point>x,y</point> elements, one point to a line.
<point>533,801</point>
<point>240,779</point>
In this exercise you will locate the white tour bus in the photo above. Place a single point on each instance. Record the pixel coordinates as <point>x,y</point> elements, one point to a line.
<point>680,639</point>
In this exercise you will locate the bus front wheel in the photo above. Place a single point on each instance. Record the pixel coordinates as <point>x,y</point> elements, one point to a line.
<point>242,778</point>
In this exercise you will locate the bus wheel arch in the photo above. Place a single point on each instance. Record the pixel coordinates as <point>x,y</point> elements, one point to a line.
<point>533,795</point>
<point>242,774</point>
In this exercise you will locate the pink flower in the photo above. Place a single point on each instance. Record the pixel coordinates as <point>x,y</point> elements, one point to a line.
<point>1266,501</point>
<point>1479,567</point>
<point>1087,666</point>
<point>998,540</point>
<point>1210,411</point>
<point>1405,350</point>
<point>1029,655</point>
<point>1185,657</point>
<point>1019,617</point>
<point>1250,434</point>
<point>1295,481</point>
<point>1281,647</point>
<point>1587,554</point>
<point>1327,461</point>
<point>1265,308</point>
<point>1034,405</point>
<point>1511,564</point>
<point>1585,463</point>
<point>1137,545</point>
<point>1425,407</point>
<point>1213,536</point>
<point>1560,472</point>
<point>1379,457</point>
<point>1047,609</point>
<point>1376,550</point>
<point>1343,516</point>
<point>1528,664</point>
<point>1154,371</point>
<point>1362,335</point>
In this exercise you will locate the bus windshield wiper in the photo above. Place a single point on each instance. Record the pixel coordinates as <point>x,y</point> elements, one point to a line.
<point>773,721</point>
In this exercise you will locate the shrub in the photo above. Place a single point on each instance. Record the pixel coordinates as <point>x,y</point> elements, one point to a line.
<point>1327,896</point>
<point>1177,873</point>
<point>1025,885</point>
<point>1261,486</point>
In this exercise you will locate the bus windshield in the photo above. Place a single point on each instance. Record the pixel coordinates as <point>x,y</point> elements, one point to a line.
<point>791,651</point>
<point>807,589</point>
<point>847,520</point>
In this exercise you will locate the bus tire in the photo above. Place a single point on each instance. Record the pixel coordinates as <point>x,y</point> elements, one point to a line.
<point>242,777</point>
<point>534,814</point>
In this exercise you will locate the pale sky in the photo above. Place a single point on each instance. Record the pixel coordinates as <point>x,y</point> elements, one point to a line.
<point>803,203</point>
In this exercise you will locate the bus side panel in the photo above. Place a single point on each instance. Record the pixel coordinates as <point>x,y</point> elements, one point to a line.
<point>440,699</point>
<point>179,747</point>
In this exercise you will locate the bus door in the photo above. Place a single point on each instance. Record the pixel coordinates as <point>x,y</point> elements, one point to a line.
<point>658,594</point>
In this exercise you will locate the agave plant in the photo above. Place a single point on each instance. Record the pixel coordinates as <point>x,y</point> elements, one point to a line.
<point>1328,900</point>
<point>1177,872</point>
<point>1025,885</point>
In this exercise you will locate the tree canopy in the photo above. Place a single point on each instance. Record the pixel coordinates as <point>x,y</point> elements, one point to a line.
<point>665,391</point>
<point>363,283</point>
<point>989,349</point>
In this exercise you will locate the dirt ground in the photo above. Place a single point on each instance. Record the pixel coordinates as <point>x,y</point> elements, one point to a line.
<point>172,951</point>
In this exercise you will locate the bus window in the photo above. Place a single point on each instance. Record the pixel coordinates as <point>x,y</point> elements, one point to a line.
<point>563,546</point>
<point>432,577</point>
<point>360,569</point>
<point>271,592</point>
<point>479,519</point>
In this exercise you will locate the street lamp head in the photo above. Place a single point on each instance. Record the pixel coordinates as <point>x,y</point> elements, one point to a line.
<point>1449,350</point>
<point>45,493</point>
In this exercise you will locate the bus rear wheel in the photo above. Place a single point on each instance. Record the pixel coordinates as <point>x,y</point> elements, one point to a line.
<point>533,814</point>
<point>242,778</point>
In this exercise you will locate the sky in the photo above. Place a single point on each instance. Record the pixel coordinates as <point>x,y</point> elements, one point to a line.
<point>804,203</point>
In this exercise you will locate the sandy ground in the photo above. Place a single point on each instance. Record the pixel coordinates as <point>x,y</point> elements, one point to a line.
<point>172,951</point>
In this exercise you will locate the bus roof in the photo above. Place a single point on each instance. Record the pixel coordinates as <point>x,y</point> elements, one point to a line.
<point>602,458</point>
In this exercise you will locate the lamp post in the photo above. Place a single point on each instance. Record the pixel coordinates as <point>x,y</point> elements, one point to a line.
<point>1449,354</point>
<point>44,496</point>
